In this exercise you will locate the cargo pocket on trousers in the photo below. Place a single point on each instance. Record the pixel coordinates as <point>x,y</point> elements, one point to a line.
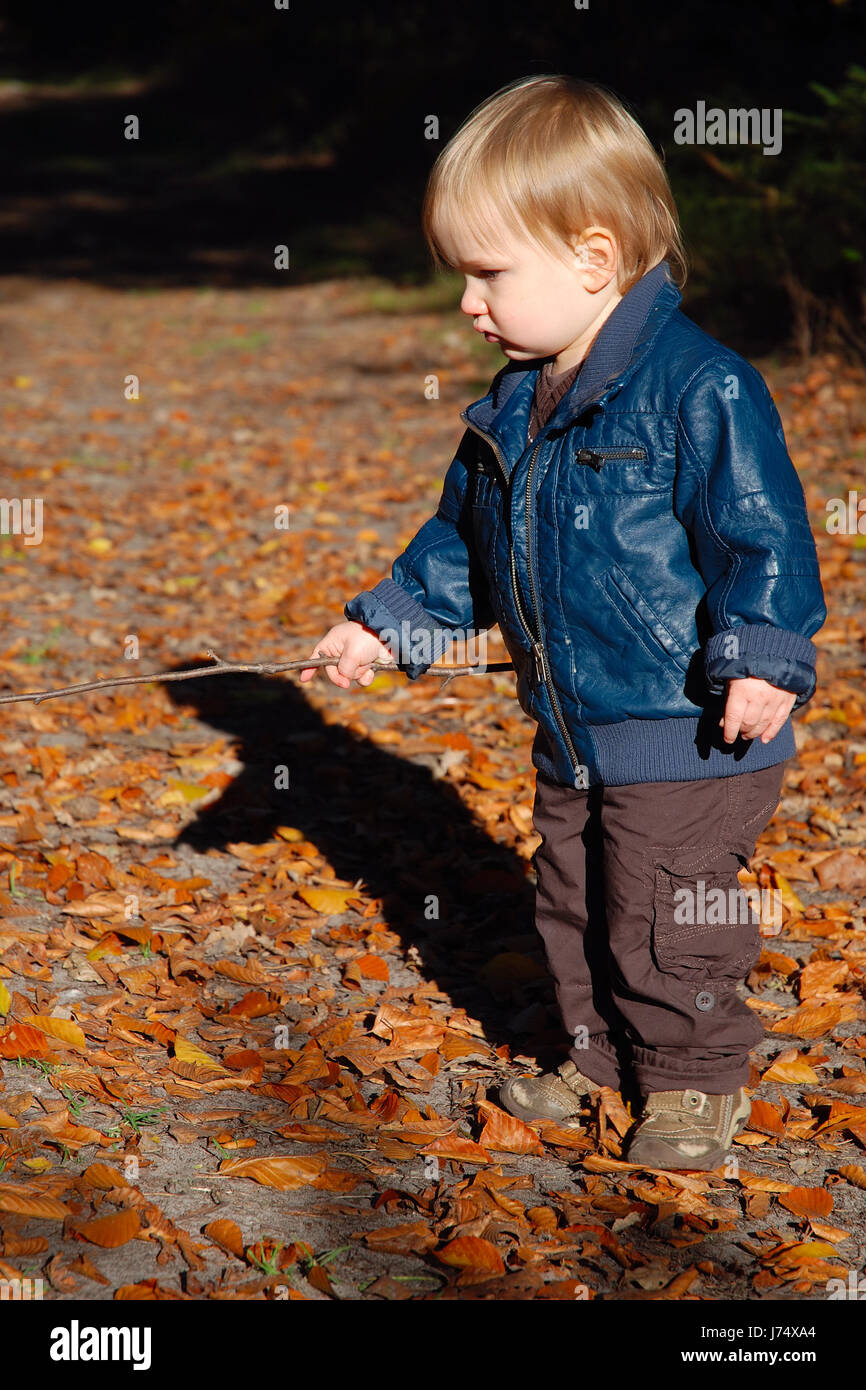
<point>705,926</point>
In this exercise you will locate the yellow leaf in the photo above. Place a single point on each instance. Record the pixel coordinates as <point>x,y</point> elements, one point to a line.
<point>183,792</point>
<point>5,999</point>
<point>327,900</point>
<point>791,1071</point>
<point>186,1051</point>
<point>99,545</point>
<point>382,681</point>
<point>61,1028</point>
<point>789,897</point>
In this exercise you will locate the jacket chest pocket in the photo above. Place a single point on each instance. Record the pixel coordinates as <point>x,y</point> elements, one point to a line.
<point>615,468</point>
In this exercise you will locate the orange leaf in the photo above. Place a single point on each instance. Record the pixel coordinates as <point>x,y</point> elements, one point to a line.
<point>20,1040</point>
<point>562,1137</point>
<point>455,1146</point>
<point>284,1173</point>
<point>507,1133</point>
<point>372,967</point>
<point>831,1233</point>
<point>413,1237</point>
<point>103,1176</point>
<point>807,1201</point>
<point>227,1235</point>
<point>472,1252</point>
<point>852,1173</point>
<point>810,1021</point>
<point>111,1231</point>
<point>18,1199</point>
<point>766,1119</point>
<point>254,1005</point>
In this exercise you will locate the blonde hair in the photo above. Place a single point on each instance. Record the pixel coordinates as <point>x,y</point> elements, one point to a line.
<point>548,157</point>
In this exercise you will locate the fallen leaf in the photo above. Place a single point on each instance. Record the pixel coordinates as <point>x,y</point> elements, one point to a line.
<point>112,1231</point>
<point>472,1252</point>
<point>807,1201</point>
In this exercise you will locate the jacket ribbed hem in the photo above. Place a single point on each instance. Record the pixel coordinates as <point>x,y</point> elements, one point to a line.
<point>668,750</point>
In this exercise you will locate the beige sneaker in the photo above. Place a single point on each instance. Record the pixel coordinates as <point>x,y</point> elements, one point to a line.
<point>688,1129</point>
<point>555,1095</point>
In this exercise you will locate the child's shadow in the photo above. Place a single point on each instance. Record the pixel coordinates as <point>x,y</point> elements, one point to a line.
<point>378,817</point>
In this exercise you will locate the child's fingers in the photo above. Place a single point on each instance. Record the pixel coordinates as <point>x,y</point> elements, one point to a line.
<point>307,672</point>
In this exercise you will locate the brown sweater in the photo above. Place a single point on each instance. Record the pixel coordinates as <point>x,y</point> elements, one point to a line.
<point>549,390</point>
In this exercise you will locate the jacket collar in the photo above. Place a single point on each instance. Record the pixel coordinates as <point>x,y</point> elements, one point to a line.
<point>622,342</point>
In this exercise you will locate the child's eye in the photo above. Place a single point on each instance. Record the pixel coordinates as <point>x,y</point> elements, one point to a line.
<point>489,274</point>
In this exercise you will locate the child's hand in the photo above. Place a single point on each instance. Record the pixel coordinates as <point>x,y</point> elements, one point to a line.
<point>754,706</point>
<point>355,646</point>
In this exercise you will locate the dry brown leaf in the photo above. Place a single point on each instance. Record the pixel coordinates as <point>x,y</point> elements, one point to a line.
<point>22,1040</point>
<point>17,1198</point>
<point>506,1133</point>
<point>227,1235</point>
<point>807,1201</point>
<point>766,1119</point>
<point>458,1148</point>
<point>410,1238</point>
<point>472,1252</point>
<point>810,1021</point>
<point>103,1176</point>
<point>285,1172</point>
<point>112,1231</point>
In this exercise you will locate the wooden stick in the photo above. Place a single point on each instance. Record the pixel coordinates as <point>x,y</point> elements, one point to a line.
<point>264,668</point>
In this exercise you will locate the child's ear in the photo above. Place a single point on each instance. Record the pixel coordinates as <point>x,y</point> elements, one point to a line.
<point>597,255</point>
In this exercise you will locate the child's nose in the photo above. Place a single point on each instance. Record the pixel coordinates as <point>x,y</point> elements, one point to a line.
<point>472,302</point>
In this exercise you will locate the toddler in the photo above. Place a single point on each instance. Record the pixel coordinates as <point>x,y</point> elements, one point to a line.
<point>623,505</point>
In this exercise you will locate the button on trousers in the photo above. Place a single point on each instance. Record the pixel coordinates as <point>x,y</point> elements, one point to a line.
<point>647,929</point>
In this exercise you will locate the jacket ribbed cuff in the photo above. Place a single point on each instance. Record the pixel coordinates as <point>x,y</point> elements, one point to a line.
<point>786,659</point>
<point>415,640</point>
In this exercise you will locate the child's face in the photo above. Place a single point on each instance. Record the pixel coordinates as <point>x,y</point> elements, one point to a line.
<point>530,302</point>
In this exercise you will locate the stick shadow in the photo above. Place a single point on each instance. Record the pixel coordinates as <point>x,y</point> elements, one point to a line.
<point>381,818</point>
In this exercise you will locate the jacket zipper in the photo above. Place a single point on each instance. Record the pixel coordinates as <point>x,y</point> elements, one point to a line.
<point>596,457</point>
<point>539,656</point>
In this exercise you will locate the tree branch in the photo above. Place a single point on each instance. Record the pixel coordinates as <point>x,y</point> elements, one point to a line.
<point>264,668</point>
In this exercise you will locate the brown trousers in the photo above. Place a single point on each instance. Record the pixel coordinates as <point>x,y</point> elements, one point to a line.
<point>645,951</point>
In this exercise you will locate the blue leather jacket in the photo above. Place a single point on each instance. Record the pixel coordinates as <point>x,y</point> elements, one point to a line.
<point>651,542</point>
